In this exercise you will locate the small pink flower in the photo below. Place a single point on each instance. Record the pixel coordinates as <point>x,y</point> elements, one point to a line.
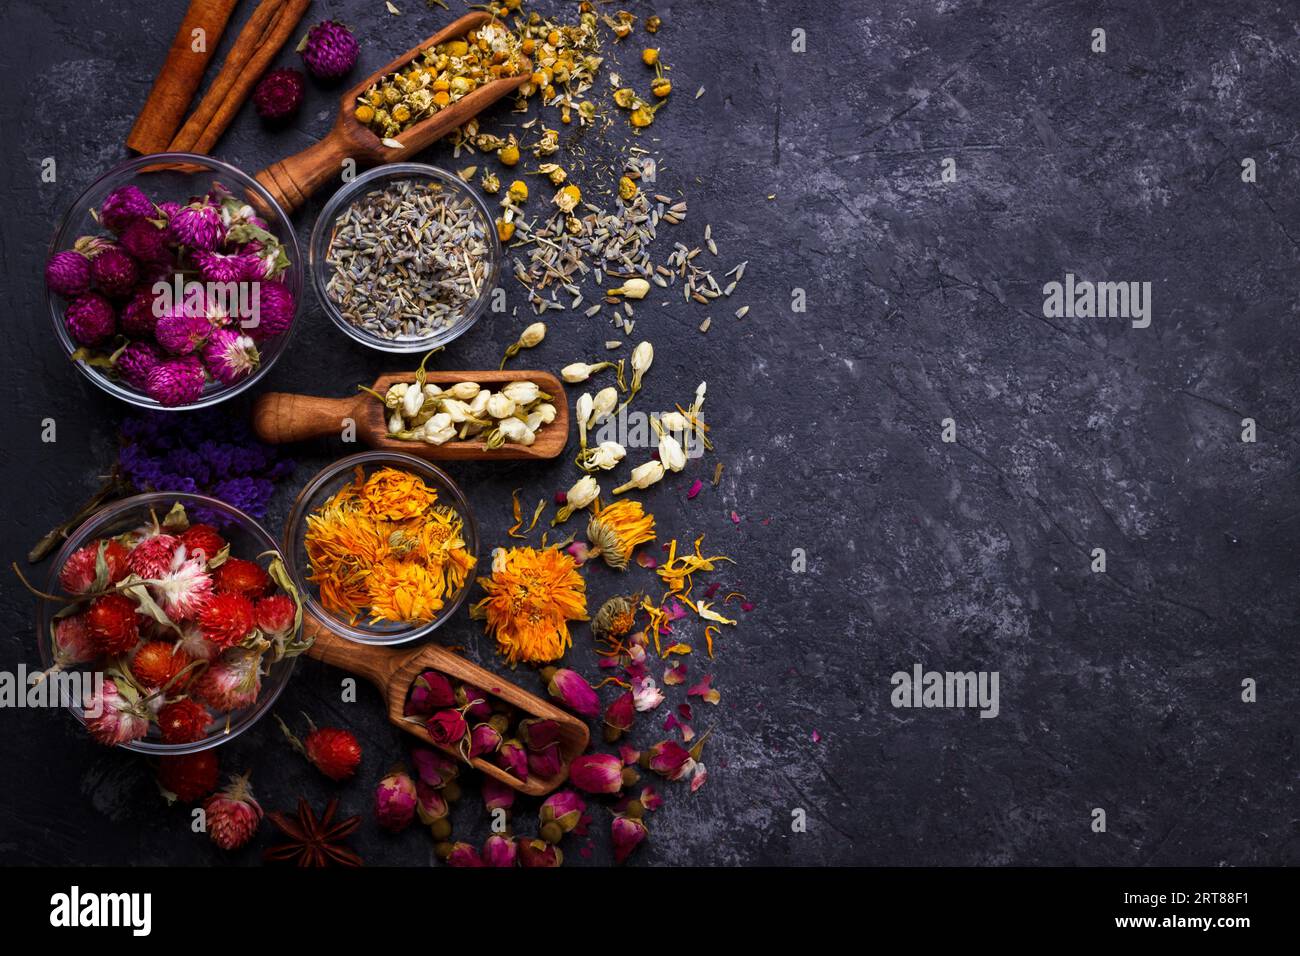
<point>497,795</point>
<point>431,692</point>
<point>395,800</point>
<point>619,716</point>
<point>484,739</point>
<point>513,759</point>
<point>464,855</point>
<point>185,588</point>
<point>545,763</point>
<point>430,804</point>
<point>670,759</point>
<point>115,715</point>
<point>600,773</point>
<point>538,732</point>
<point>447,728</point>
<point>500,851</point>
<point>646,695</point>
<point>539,853</point>
<point>626,834</point>
<point>572,690</point>
<point>559,814</point>
<point>433,769</point>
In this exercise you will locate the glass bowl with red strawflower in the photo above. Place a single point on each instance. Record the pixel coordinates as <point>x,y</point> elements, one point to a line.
<point>168,624</point>
<point>173,281</point>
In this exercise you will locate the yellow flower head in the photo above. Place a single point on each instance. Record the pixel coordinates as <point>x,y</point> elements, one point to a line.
<point>403,591</point>
<point>617,529</point>
<point>396,495</point>
<point>530,599</point>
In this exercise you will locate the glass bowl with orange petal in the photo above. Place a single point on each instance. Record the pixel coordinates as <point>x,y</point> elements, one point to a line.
<point>382,547</point>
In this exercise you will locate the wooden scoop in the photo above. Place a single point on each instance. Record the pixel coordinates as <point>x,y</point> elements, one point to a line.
<point>292,180</point>
<point>394,670</point>
<point>280,417</point>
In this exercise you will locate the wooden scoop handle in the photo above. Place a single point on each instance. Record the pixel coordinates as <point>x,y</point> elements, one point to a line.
<point>375,664</point>
<point>292,180</point>
<point>281,417</point>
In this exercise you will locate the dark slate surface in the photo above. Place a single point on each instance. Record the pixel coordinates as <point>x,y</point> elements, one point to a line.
<point>1118,690</point>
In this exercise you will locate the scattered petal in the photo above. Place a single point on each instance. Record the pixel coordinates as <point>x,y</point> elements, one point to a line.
<point>699,777</point>
<point>695,489</point>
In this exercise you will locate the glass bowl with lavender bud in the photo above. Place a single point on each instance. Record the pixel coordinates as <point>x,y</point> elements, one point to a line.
<point>173,281</point>
<point>405,258</point>
<point>165,634</point>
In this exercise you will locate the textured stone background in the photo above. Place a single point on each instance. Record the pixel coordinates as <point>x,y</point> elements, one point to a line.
<point>1118,690</point>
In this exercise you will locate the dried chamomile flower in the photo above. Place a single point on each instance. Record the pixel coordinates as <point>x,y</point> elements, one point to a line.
<point>627,189</point>
<point>518,191</point>
<point>490,183</point>
<point>568,198</point>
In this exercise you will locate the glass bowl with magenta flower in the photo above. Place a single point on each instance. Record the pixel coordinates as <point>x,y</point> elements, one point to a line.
<point>173,281</point>
<point>382,546</point>
<point>168,624</point>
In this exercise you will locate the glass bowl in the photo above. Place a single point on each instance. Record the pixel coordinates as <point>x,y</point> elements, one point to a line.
<point>323,234</point>
<point>176,177</point>
<point>247,540</point>
<point>322,487</point>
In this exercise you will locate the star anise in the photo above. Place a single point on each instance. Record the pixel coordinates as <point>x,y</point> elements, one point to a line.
<point>314,841</point>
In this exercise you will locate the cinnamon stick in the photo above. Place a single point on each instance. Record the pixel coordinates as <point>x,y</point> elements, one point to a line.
<point>180,76</point>
<point>266,32</point>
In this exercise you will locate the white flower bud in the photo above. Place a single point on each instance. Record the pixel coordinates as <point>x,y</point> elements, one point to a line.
<point>533,335</point>
<point>670,453</point>
<point>642,356</point>
<point>412,401</point>
<point>395,423</point>
<point>606,401</point>
<point>480,403</point>
<point>500,406</point>
<point>516,431</point>
<point>632,289</point>
<point>439,429</point>
<point>607,454</point>
<point>547,411</point>
<point>521,392</point>
<point>575,373</point>
<point>458,411</point>
<point>643,476</point>
<point>583,492</point>
<point>673,421</point>
<point>534,421</point>
<point>463,391</point>
<point>431,390</point>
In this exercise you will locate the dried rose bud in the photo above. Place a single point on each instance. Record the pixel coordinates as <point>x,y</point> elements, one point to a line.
<point>539,853</point>
<point>480,704</point>
<point>560,813</point>
<point>431,692</point>
<point>497,795</point>
<point>395,800</point>
<point>600,773</point>
<point>619,716</point>
<point>484,739</point>
<point>434,769</point>
<point>500,851</point>
<point>430,804</point>
<point>546,762</point>
<point>626,834</point>
<point>447,728</point>
<point>669,759</point>
<point>513,759</point>
<point>539,732</point>
<point>462,854</point>
<point>572,690</point>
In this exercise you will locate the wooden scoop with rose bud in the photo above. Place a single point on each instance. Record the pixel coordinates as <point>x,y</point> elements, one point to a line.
<point>292,180</point>
<point>280,417</point>
<point>394,671</point>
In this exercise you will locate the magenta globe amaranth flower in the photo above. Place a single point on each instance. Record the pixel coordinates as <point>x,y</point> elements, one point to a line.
<point>395,800</point>
<point>125,206</point>
<point>90,319</point>
<point>197,226</point>
<point>67,273</point>
<point>135,363</point>
<point>230,356</point>
<point>279,94</point>
<point>181,333</point>
<point>176,381</point>
<point>228,266</point>
<point>114,272</point>
<point>329,50</point>
<point>139,317</point>
<point>273,312</point>
<point>147,242</point>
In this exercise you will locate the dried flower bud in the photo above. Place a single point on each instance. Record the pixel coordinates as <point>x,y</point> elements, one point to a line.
<point>513,759</point>
<point>497,795</point>
<point>674,421</point>
<point>500,850</point>
<point>572,690</point>
<point>531,336</point>
<point>559,814</point>
<point>539,853</point>
<point>547,412</point>
<point>670,453</point>
<point>619,717</point>
<point>545,763</point>
<point>584,492</point>
<point>412,402</point>
<point>434,769</point>
<point>631,289</point>
<point>464,855</point>
<point>600,773</point>
<point>539,732</point>
<point>430,692</point>
<point>395,800</point>
<point>430,804</point>
<point>446,728</point>
<point>499,406</point>
<point>577,372</point>
<point>522,392</point>
<point>606,401</point>
<point>484,739</point>
<point>643,476</point>
<point>626,834</point>
<point>462,391</point>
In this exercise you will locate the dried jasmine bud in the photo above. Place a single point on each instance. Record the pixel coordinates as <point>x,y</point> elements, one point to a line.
<point>643,476</point>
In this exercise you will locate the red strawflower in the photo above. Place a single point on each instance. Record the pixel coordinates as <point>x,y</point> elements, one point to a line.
<point>203,537</point>
<point>226,618</point>
<point>183,721</point>
<point>238,576</point>
<point>333,752</point>
<point>156,663</point>
<point>112,624</point>
<point>78,574</point>
<point>189,776</point>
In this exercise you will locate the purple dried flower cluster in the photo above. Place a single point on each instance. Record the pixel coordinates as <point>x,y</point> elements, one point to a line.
<point>206,452</point>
